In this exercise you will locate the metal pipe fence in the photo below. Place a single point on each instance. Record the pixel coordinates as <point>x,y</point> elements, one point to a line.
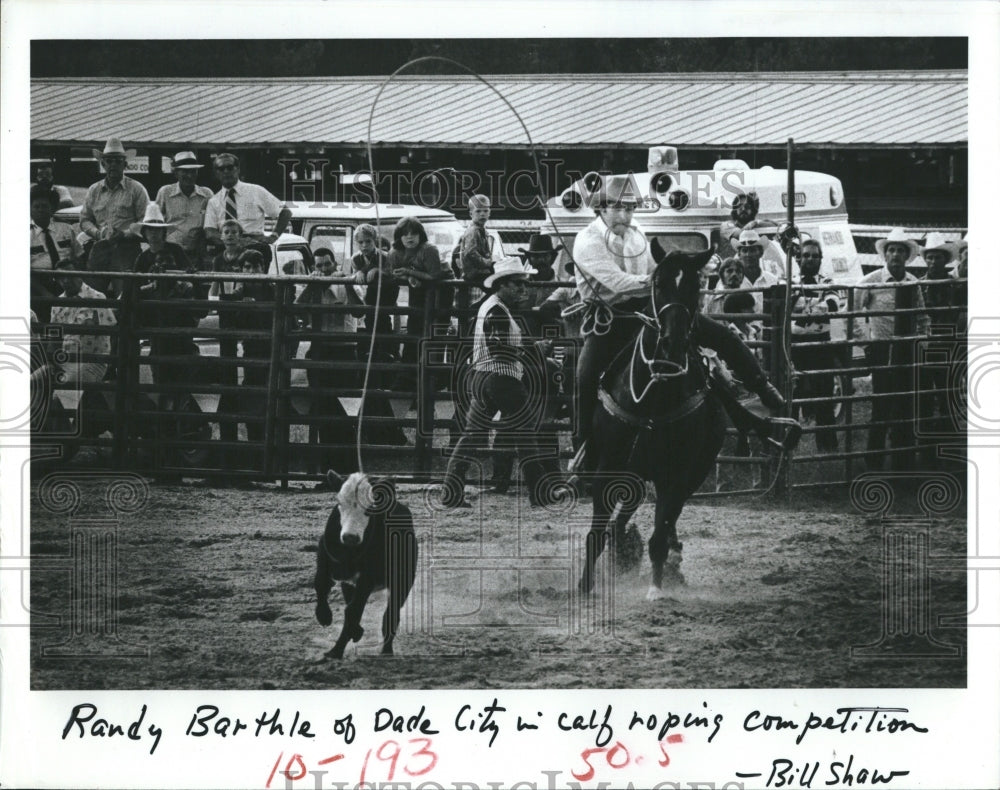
<point>172,400</point>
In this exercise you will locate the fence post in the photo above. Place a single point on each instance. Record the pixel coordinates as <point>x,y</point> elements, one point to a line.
<point>426,386</point>
<point>849,404</point>
<point>271,422</point>
<point>127,363</point>
<point>779,376</point>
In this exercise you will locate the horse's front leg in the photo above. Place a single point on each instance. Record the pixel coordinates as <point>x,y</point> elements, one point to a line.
<point>627,543</point>
<point>664,547</point>
<point>596,537</point>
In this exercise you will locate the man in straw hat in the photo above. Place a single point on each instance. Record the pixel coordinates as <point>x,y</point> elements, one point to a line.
<point>500,360</point>
<point>890,348</point>
<point>110,209</point>
<point>183,205</point>
<point>750,251</point>
<point>614,267</point>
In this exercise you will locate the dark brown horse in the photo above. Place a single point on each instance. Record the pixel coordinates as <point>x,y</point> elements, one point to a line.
<point>659,422</point>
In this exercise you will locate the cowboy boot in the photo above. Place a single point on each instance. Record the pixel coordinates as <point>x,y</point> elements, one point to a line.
<point>503,466</point>
<point>453,493</point>
<point>768,394</point>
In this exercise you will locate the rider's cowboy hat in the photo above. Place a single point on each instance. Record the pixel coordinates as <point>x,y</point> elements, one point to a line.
<point>153,218</point>
<point>937,242</point>
<point>113,147</point>
<point>185,159</point>
<point>749,238</point>
<point>618,190</point>
<point>898,236</point>
<point>538,244</point>
<point>508,267</point>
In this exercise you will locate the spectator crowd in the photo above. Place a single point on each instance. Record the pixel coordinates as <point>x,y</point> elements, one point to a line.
<point>510,382</point>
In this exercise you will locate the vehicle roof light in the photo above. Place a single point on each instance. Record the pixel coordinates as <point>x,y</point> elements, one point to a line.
<point>679,200</point>
<point>572,200</point>
<point>662,183</point>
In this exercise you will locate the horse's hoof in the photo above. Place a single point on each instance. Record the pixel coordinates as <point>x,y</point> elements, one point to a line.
<point>672,576</point>
<point>585,587</point>
<point>655,593</point>
<point>324,616</point>
<point>334,653</point>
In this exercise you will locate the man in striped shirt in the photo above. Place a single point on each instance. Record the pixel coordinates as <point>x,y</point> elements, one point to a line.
<point>499,360</point>
<point>51,243</point>
<point>249,204</point>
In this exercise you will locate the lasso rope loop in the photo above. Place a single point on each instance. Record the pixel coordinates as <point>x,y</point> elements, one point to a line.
<point>371,167</point>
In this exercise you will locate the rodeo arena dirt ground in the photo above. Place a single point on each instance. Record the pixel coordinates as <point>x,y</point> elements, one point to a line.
<point>213,590</point>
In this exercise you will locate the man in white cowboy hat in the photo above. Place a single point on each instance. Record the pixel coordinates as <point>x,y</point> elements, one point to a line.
<point>249,204</point>
<point>500,359</point>
<point>183,204</point>
<point>112,206</point>
<point>772,258</point>
<point>614,266</point>
<point>153,229</point>
<point>750,251</point>
<point>890,350</point>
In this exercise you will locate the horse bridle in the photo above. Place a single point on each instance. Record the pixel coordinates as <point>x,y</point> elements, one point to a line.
<point>650,361</point>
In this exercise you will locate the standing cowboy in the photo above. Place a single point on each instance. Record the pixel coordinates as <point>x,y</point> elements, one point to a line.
<point>110,208</point>
<point>614,267</point>
<point>890,348</point>
<point>499,360</point>
<point>183,205</point>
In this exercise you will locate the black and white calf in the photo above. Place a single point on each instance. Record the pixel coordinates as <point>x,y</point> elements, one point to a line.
<point>368,545</point>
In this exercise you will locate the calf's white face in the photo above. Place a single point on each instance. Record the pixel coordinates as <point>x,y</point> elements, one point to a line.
<point>354,498</point>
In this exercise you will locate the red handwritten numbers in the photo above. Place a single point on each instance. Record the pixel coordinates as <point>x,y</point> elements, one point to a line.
<point>409,769</point>
<point>675,738</point>
<point>618,756</point>
<point>418,759</point>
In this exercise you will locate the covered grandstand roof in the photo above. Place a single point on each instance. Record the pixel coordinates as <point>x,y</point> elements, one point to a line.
<point>883,109</point>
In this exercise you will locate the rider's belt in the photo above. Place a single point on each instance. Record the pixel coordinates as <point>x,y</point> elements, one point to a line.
<point>681,410</point>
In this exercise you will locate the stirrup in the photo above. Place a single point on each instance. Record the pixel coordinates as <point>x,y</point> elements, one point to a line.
<point>792,436</point>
